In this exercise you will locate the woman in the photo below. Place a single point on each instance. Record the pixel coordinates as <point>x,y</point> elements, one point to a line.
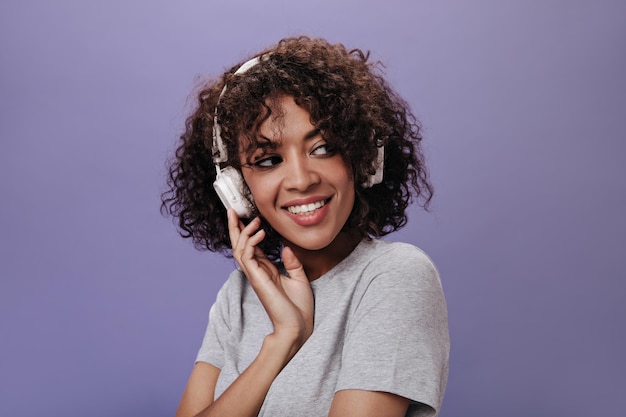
<point>316,157</point>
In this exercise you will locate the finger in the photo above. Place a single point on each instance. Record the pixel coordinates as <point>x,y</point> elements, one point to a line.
<point>246,250</point>
<point>250,248</point>
<point>234,228</point>
<point>239,233</point>
<point>293,266</point>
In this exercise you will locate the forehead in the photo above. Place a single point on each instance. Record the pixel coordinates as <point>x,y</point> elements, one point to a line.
<point>279,118</point>
<point>286,120</point>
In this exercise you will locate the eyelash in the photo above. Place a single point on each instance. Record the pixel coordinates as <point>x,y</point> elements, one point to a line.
<point>274,160</point>
<point>261,163</point>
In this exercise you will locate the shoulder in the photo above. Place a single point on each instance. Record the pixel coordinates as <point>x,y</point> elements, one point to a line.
<point>232,300</point>
<point>397,275</point>
<point>400,260</point>
<point>233,284</point>
<point>397,334</point>
<point>398,250</point>
<point>233,290</point>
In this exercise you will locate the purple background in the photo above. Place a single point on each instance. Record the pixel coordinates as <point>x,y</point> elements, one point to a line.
<point>102,306</point>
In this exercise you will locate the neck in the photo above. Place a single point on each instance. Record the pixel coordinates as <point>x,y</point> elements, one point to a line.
<point>317,262</point>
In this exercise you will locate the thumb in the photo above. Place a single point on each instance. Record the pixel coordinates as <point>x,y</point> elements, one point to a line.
<point>292,264</point>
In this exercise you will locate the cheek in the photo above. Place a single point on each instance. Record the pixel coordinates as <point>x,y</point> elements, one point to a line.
<point>344,179</point>
<point>261,189</point>
<point>345,185</point>
<point>250,179</point>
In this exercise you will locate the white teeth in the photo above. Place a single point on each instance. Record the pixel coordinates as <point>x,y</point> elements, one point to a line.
<point>306,208</point>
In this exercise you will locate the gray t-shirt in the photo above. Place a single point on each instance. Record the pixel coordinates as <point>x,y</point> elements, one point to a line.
<point>380,325</point>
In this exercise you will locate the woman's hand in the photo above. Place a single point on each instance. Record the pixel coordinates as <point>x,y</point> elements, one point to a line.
<point>288,301</point>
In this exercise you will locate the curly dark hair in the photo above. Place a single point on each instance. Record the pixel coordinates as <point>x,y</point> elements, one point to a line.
<point>348,100</point>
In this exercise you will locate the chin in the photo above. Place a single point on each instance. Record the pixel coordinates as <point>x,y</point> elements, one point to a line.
<point>310,243</point>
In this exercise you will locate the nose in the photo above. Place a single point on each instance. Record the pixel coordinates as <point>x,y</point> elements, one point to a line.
<point>301,174</point>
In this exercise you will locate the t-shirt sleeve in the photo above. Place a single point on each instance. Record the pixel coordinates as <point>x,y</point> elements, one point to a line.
<point>213,344</point>
<point>397,338</point>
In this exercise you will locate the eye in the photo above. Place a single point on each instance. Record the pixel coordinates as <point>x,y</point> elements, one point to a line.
<point>267,162</point>
<point>323,149</point>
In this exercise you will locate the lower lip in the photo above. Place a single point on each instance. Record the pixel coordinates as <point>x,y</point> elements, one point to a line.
<point>310,219</point>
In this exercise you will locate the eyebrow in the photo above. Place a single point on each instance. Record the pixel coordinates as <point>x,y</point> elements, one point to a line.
<point>313,133</point>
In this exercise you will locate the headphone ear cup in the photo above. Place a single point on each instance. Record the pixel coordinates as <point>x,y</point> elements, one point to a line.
<point>377,178</point>
<point>230,188</point>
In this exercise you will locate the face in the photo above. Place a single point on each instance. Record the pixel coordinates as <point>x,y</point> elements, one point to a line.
<point>300,186</point>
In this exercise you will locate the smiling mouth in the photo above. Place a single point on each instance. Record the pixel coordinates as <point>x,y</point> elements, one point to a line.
<point>305,209</point>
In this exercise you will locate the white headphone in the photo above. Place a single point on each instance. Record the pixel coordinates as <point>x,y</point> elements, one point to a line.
<point>230,185</point>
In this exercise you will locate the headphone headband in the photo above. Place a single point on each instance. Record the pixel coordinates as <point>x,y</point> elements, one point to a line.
<point>219,149</point>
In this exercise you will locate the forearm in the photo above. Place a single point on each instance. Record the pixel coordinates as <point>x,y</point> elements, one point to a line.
<point>246,394</point>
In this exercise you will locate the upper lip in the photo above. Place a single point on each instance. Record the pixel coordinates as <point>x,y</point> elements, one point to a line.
<point>303,201</point>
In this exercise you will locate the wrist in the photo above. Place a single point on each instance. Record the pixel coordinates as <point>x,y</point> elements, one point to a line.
<point>282,346</point>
